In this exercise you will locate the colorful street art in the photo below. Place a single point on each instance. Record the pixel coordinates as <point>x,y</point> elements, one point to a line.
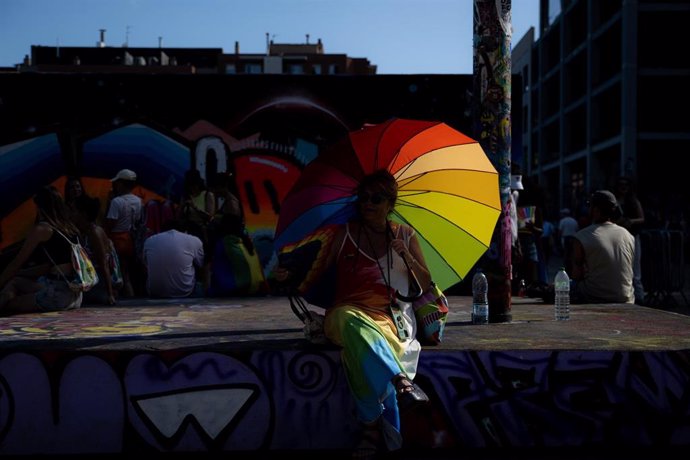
<point>24,167</point>
<point>216,376</point>
<point>264,130</point>
<point>212,402</point>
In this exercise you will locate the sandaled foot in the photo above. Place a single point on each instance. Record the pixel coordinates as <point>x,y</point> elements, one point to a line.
<point>409,394</point>
<point>370,443</point>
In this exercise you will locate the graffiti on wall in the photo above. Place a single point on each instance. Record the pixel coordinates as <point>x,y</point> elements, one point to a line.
<point>262,130</point>
<point>61,402</point>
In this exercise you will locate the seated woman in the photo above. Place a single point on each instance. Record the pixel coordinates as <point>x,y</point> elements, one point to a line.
<point>36,279</point>
<point>235,266</point>
<point>100,249</point>
<point>377,333</point>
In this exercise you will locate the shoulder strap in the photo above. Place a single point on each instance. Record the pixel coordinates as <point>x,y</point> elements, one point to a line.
<point>345,238</point>
<point>56,265</point>
<point>71,244</point>
<point>62,234</point>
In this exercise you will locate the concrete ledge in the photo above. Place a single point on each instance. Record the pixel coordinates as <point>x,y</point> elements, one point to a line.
<point>237,377</point>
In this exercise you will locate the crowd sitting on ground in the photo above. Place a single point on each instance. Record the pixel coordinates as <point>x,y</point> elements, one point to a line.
<point>227,263</point>
<point>592,242</point>
<point>174,256</point>
<point>600,257</point>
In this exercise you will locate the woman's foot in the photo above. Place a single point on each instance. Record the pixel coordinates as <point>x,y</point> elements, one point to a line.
<point>408,393</point>
<point>370,443</point>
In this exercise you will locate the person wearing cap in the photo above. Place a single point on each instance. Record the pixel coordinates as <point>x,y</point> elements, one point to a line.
<point>124,209</point>
<point>602,256</point>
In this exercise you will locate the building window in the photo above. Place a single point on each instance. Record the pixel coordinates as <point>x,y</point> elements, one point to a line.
<point>296,69</point>
<point>252,68</point>
<point>230,68</point>
<point>332,69</point>
<point>316,69</point>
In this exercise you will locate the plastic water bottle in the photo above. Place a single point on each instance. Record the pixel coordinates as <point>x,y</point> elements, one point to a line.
<point>523,289</point>
<point>480,299</point>
<point>562,287</point>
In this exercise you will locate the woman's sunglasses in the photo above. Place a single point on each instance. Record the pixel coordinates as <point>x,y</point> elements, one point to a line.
<point>373,198</point>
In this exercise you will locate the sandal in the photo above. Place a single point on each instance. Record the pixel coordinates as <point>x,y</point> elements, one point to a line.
<point>409,394</point>
<point>370,443</point>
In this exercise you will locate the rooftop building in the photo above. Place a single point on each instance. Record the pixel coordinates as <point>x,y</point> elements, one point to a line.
<point>278,58</point>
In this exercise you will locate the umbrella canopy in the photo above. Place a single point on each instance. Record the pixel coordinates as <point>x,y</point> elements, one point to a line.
<point>448,191</point>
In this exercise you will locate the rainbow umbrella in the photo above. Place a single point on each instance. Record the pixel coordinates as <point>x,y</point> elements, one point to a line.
<point>448,191</point>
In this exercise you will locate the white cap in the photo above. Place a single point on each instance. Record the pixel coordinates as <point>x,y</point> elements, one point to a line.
<point>125,174</point>
<point>516,182</point>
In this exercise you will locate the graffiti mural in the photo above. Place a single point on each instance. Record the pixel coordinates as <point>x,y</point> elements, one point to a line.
<point>263,129</point>
<point>209,401</point>
<point>219,375</point>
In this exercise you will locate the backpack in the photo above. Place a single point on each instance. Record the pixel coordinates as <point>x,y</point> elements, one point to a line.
<point>113,261</point>
<point>85,276</point>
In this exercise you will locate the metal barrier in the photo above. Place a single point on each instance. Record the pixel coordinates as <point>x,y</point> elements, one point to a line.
<point>663,266</point>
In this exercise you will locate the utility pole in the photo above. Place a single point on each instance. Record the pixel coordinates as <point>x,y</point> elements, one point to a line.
<point>491,108</point>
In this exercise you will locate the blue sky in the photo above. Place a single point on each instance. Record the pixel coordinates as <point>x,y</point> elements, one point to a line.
<point>399,36</point>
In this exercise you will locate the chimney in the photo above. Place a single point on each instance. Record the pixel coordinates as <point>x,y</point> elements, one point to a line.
<point>101,43</point>
<point>307,39</point>
<point>237,47</point>
<point>160,42</point>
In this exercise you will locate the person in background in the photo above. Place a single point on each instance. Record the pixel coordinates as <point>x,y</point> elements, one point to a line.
<point>547,245</point>
<point>197,211</point>
<point>567,228</point>
<point>602,256</point>
<point>74,189</point>
<point>100,249</point>
<point>380,360</point>
<point>223,187</point>
<point>235,266</point>
<point>516,251</point>
<point>36,278</point>
<point>530,222</point>
<point>198,205</point>
<point>224,190</point>
<point>632,219</point>
<point>172,259</point>
<point>124,209</point>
